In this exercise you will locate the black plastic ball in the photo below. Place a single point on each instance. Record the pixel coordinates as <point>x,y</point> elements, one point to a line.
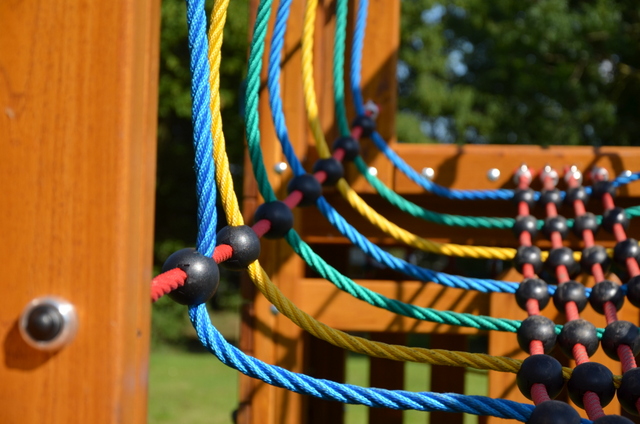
<point>602,187</point>
<point>575,332</point>
<point>612,419</point>
<point>591,377</point>
<point>367,124</point>
<point>606,291</point>
<point>245,244</point>
<point>629,391</point>
<point>614,216</point>
<point>528,255</point>
<point>44,323</point>
<point>525,223</point>
<point>332,168</point>
<point>532,288</point>
<point>280,216</point>
<point>203,276</point>
<point>571,291</point>
<point>537,327</point>
<point>562,256</point>
<point>620,333</point>
<point>594,255</point>
<point>554,412</point>
<point>576,193</point>
<point>550,196</point>
<point>555,224</point>
<point>633,290</point>
<point>306,184</point>
<point>542,369</point>
<point>586,221</point>
<point>526,195</point>
<point>626,249</point>
<point>349,145</point>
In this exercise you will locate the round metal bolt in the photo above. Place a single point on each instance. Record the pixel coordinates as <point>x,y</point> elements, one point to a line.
<point>493,174</point>
<point>573,173</point>
<point>48,323</point>
<point>627,173</point>
<point>428,173</point>
<point>372,171</point>
<point>280,167</point>
<point>549,172</point>
<point>599,173</point>
<point>522,172</point>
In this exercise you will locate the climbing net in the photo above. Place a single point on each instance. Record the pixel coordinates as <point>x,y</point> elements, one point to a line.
<point>191,276</point>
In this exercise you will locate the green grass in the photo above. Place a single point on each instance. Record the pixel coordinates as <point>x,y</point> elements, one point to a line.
<point>190,388</point>
<point>195,388</point>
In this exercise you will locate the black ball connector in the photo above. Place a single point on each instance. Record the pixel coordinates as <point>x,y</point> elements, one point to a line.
<point>532,288</point>
<point>629,391</point>
<point>586,221</point>
<point>571,291</point>
<point>633,290</point>
<point>576,193</point>
<point>601,187</point>
<point>594,255</point>
<point>528,255</point>
<point>620,333</point>
<point>525,223</point>
<point>245,244</point>
<point>550,196</point>
<point>280,216</point>
<point>526,195</point>
<point>350,146</point>
<point>626,249</point>
<point>310,188</point>
<point>203,276</point>
<point>537,327</point>
<point>367,124</point>
<point>555,224</point>
<point>332,168</point>
<point>576,332</point>
<point>562,256</point>
<point>591,377</point>
<point>540,369</point>
<point>554,412</point>
<point>606,291</point>
<point>617,215</point>
<point>612,419</point>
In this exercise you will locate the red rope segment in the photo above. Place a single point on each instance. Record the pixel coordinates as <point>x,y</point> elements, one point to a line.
<point>167,282</point>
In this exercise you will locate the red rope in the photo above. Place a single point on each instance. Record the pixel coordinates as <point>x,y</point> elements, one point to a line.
<point>592,405</point>
<point>167,282</point>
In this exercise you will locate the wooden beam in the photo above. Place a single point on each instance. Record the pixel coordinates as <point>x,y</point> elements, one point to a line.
<point>78,117</point>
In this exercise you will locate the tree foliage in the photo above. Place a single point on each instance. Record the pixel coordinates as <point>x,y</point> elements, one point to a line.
<point>520,71</point>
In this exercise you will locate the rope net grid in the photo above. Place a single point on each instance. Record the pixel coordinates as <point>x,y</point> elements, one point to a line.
<point>240,248</point>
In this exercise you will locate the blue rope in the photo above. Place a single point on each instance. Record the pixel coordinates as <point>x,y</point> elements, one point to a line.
<point>412,174</point>
<point>375,252</point>
<point>201,117</point>
<point>348,393</point>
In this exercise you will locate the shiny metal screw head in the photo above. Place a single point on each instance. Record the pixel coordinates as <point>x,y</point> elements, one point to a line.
<point>428,173</point>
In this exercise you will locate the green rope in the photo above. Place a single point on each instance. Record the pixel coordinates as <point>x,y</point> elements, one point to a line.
<point>304,250</point>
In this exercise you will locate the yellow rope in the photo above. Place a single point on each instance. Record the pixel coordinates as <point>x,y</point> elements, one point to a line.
<point>275,296</point>
<point>398,233</point>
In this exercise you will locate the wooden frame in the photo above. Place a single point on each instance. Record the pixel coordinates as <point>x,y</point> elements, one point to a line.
<point>77,180</point>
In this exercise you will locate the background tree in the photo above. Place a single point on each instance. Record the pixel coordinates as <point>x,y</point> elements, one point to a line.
<point>514,71</point>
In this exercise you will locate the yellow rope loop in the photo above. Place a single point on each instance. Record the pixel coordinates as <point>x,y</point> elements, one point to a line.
<point>398,233</point>
<point>284,305</point>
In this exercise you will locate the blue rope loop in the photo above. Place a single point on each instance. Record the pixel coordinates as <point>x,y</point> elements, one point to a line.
<point>201,118</point>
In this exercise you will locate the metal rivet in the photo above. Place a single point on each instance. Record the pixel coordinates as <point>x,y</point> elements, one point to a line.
<point>372,171</point>
<point>48,323</point>
<point>493,174</point>
<point>280,167</point>
<point>428,173</point>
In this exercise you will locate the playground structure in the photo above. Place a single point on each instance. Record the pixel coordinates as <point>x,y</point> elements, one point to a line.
<point>119,175</point>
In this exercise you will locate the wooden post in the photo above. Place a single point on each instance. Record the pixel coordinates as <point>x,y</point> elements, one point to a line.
<point>78,98</point>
